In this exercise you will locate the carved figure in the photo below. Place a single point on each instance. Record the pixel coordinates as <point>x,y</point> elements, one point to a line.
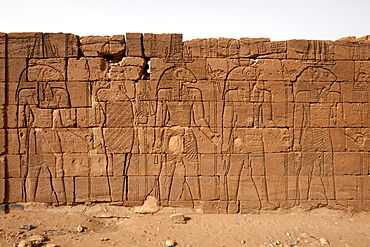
<point>179,107</point>
<point>244,112</point>
<point>42,146</point>
<point>317,95</point>
<point>116,133</point>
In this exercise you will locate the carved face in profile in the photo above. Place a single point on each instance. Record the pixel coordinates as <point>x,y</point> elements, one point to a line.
<point>172,77</point>
<point>320,78</point>
<point>242,79</point>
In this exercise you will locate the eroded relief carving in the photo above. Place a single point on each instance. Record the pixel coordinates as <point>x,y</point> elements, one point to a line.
<point>179,109</point>
<point>317,97</point>
<point>224,125</point>
<point>245,111</point>
<point>40,97</point>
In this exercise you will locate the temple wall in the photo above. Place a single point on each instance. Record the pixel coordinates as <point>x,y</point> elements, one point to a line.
<point>225,125</point>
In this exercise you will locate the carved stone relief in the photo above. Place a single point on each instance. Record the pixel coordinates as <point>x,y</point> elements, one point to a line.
<point>224,125</point>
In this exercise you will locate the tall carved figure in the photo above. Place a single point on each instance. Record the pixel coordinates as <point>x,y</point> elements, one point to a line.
<point>116,132</point>
<point>179,107</point>
<point>42,93</point>
<point>245,111</point>
<point>317,97</point>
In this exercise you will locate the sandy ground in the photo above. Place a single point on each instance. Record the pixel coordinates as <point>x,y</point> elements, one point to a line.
<point>103,225</point>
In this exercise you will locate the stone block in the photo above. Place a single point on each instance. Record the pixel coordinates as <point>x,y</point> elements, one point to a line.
<point>3,193</point>
<point>134,45</point>
<point>44,70</point>
<point>99,189</point>
<point>338,140</point>
<point>89,117</point>
<point>76,164</point>
<point>247,191</point>
<point>3,48</point>
<point>362,51</point>
<point>343,50</point>
<point>216,69</point>
<point>13,165</point>
<point>270,70</point>
<point>79,94</point>
<point>347,163</point>
<point>216,207</point>
<point>180,192</point>
<point>74,140</point>
<point>149,44</point>
<point>297,48</point>
<point>138,164</point>
<point>227,47</point>
<point>3,144</point>
<point>139,187</point>
<point>276,140</point>
<point>208,164</point>
<point>3,167</point>
<point>25,45</point>
<point>59,190</point>
<point>69,188</point>
<point>354,114</point>
<point>292,68</point>
<point>2,117</point>
<point>263,48</point>
<point>60,45</point>
<point>205,145</point>
<point>2,70</point>
<point>100,165</point>
<point>155,44</point>
<point>3,93</point>
<point>282,114</point>
<point>87,69</point>
<point>44,192</point>
<point>198,68</point>
<point>12,94</point>
<point>118,188</point>
<point>344,71</point>
<point>365,187</point>
<point>209,188</point>
<point>15,191</point>
<point>276,189</point>
<point>276,164</point>
<point>157,67</point>
<point>15,145</point>
<point>82,189</point>
<point>43,118</point>
<point>125,71</point>
<point>118,140</point>
<point>15,68</point>
<point>201,48</point>
<point>346,187</point>
<point>94,46</point>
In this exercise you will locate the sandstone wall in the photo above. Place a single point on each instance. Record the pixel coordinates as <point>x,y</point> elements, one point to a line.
<point>222,124</point>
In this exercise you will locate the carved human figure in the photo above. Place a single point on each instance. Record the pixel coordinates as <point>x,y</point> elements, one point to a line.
<point>116,131</point>
<point>179,107</point>
<point>42,146</point>
<point>245,111</point>
<point>317,96</point>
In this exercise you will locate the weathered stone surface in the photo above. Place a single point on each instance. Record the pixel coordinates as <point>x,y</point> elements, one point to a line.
<point>224,125</point>
<point>94,46</point>
<point>134,45</point>
<point>3,40</point>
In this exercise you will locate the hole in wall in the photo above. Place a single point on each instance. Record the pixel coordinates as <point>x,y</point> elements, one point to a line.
<point>109,58</point>
<point>147,66</point>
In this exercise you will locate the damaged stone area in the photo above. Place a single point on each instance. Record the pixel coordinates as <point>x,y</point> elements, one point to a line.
<point>222,125</point>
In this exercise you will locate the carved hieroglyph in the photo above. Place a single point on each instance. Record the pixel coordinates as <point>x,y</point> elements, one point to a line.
<point>224,125</point>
